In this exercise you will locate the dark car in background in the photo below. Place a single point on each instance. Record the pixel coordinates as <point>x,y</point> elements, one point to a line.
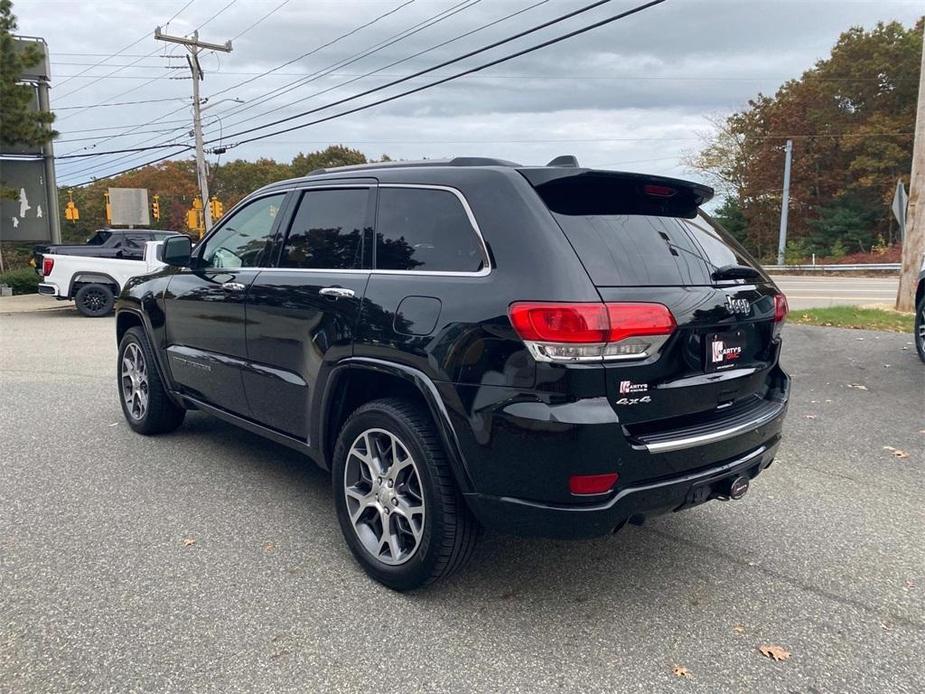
<point>105,243</point>
<point>542,350</point>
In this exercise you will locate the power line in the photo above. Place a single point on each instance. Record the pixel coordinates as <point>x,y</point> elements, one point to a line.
<point>330,43</point>
<point>131,45</point>
<point>319,48</point>
<point>491,46</point>
<point>259,21</point>
<point>117,103</point>
<point>215,15</point>
<point>318,74</point>
<point>124,171</point>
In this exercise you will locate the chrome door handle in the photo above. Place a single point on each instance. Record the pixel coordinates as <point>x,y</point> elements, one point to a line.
<point>233,287</point>
<point>337,292</point>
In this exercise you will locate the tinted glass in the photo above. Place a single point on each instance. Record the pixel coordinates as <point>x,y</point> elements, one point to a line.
<point>242,239</point>
<point>428,230</point>
<point>327,230</point>
<point>99,238</point>
<point>644,250</point>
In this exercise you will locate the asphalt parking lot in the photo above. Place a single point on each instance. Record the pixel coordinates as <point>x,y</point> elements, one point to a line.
<point>210,560</point>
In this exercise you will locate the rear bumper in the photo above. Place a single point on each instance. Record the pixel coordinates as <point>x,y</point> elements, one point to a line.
<point>48,289</point>
<point>534,519</point>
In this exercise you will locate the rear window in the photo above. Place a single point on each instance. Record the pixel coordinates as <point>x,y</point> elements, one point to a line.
<point>648,250</point>
<point>99,238</point>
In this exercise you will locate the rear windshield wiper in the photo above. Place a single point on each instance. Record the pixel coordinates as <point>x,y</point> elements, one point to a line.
<point>735,272</point>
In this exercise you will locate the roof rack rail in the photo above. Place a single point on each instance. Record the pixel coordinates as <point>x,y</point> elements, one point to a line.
<point>456,161</point>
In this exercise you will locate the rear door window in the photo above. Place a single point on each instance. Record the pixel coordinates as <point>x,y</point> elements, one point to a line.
<point>425,229</point>
<point>327,230</point>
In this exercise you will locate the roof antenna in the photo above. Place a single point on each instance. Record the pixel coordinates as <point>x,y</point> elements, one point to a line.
<point>566,160</point>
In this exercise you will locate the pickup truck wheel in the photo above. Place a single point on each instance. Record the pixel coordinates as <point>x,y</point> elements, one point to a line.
<point>94,300</point>
<point>396,500</point>
<point>145,403</point>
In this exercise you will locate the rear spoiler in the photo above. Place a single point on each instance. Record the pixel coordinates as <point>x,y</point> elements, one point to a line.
<point>574,191</point>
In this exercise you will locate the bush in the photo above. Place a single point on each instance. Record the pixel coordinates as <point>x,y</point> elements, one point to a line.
<point>838,250</point>
<point>23,281</point>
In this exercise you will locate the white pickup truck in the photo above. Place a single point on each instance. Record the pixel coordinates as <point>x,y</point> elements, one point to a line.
<point>94,283</point>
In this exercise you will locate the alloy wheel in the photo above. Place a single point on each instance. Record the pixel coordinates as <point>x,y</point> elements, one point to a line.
<point>94,300</point>
<point>382,486</point>
<point>134,381</point>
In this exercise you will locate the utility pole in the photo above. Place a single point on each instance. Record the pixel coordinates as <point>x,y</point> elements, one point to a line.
<point>195,46</point>
<point>914,242</point>
<point>785,204</point>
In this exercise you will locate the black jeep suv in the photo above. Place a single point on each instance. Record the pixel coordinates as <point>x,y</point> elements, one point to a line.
<point>550,351</point>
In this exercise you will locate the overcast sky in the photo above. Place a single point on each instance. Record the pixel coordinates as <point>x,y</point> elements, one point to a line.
<point>633,95</point>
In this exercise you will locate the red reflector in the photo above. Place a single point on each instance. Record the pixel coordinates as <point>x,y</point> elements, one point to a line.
<point>589,323</point>
<point>781,308</point>
<point>592,484</point>
<point>47,265</point>
<point>659,191</point>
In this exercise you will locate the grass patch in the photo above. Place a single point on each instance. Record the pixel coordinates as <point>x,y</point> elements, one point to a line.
<point>854,317</point>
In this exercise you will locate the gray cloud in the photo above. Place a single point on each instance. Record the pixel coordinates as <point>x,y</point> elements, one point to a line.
<point>635,91</point>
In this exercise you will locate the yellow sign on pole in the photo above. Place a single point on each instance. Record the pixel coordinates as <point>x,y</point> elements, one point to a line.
<point>108,210</point>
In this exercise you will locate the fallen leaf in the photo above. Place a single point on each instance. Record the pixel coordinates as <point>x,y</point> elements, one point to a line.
<point>775,653</point>
<point>681,671</point>
<point>896,452</point>
<point>739,628</point>
<point>910,584</point>
<point>189,541</point>
<point>857,385</point>
<point>268,547</point>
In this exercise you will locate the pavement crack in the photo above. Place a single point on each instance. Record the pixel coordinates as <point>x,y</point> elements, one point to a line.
<point>883,615</point>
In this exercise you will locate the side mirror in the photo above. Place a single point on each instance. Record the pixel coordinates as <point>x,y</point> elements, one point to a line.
<point>176,251</point>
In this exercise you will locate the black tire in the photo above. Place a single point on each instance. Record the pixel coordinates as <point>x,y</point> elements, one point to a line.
<point>449,531</point>
<point>94,300</point>
<point>160,414</point>
<point>919,329</point>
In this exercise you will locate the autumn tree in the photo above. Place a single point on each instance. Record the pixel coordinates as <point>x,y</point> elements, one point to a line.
<point>335,155</point>
<point>851,119</point>
<point>175,183</point>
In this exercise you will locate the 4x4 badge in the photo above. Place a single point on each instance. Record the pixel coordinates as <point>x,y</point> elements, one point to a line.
<point>737,305</point>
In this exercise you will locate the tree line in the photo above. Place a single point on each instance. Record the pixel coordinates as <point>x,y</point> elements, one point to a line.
<point>175,184</point>
<point>851,118</point>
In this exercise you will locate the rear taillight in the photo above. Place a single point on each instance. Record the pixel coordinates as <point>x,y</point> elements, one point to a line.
<point>781,308</point>
<point>48,265</point>
<point>591,332</point>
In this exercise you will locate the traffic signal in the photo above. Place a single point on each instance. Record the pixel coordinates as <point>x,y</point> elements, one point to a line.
<point>194,218</point>
<point>216,207</point>
<point>71,213</point>
<point>156,208</point>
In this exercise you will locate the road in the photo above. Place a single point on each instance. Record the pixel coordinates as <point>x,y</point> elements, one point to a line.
<point>815,292</point>
<point>99,592</point>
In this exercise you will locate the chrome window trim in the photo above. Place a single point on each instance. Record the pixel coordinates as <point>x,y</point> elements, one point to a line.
<point>486,258</point>
<point>332,185</point>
